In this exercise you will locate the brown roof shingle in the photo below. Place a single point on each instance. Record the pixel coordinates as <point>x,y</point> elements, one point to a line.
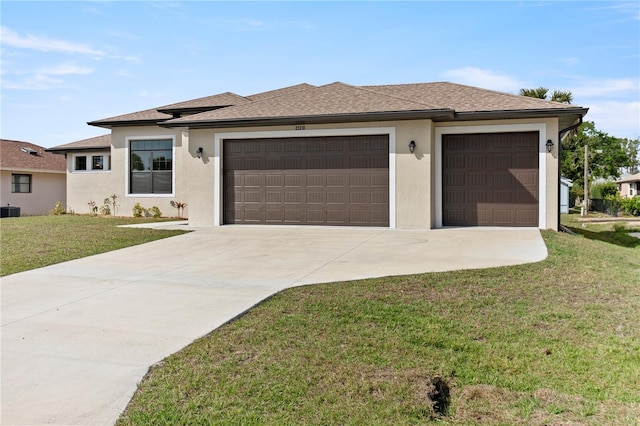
<point>280,92</point>
<point>464,98</point>
<point>331,99</point>
<point>150,116</point>
<point>96,143</point>
<point>18,155</point>
<point>208,102</point>
<point>343,102</point>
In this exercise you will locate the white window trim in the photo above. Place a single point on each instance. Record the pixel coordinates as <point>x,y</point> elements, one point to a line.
<point>541,128</point>
<point>89,157</point>
<point>217,160</point>
<point>173,166</point>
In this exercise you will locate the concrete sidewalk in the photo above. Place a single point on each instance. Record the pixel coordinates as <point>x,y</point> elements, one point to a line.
<point>77,337</point>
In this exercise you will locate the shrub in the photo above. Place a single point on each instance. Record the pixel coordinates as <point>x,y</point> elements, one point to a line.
<point>620,227</point>
<point>105,209</point>
<point>139,211</point>
<point>602,190</point>
<point>93,206</point>
<point>155,212</point>
<point>58,209</point>
<point>631,205</point>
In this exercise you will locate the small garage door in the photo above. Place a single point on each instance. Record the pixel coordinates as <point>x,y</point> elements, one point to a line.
<point>490,179</point>
<point>307,181</point>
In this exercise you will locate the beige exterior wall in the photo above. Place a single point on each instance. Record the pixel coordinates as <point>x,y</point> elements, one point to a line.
<point>415,179</point>
<point>46,190</point>
<point>409,186</point>
<point>86,186</point>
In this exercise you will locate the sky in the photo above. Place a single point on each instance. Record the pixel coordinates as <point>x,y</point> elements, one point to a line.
<point>66,63</point>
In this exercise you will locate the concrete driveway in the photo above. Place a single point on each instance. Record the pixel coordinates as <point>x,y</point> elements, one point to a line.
<point>77,337</point>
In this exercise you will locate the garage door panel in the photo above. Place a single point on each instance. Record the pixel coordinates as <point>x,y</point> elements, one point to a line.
<point>324,180</point>
<point>525,216</point>
<point>336,197</point>
<point>490,179</point>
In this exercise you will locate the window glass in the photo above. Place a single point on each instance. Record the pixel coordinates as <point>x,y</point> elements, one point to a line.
<point>81,163</point>
<point>97,162</point>
<point>151,167</point>
<point>20,183</point>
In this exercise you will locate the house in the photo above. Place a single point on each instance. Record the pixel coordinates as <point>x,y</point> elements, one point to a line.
<point>31,179</point>
<point>565,184</point>
<point>408,156</point>
<point>629,186</point>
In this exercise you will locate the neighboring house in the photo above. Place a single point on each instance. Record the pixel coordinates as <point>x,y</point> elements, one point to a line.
<point>30,178</point>
<point>565,184</point>
<point>411,156</point>
<point>629,186</point>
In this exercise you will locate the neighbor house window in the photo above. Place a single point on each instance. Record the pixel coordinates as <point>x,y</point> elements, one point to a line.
<point>97,162</point>
<point>81,162</point>
<point>20,183</point>
<point>151,166</point>
<point>630,189</point>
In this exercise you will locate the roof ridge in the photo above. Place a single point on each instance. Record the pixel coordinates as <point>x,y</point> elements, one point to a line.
<point>398,97</point>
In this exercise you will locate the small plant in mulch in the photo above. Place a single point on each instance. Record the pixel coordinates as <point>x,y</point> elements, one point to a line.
<point>180,206</point>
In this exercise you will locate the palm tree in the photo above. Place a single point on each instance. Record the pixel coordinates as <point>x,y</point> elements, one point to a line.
<point>540,92</point>
<point>562,96</point>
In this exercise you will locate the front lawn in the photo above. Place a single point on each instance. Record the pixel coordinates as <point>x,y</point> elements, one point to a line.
<point>555,342</point>
<point>36,241</point>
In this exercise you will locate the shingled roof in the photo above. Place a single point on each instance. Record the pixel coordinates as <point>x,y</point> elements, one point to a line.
<point>98,143</point>
<point>340,102</point>
<point>26,156</point>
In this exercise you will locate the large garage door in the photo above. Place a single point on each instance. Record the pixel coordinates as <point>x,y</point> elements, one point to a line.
<point>490,179</point>
<point>307,181</point>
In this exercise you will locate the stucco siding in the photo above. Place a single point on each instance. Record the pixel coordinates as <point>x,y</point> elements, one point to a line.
<point>46,190</point>
<point>415,179</point>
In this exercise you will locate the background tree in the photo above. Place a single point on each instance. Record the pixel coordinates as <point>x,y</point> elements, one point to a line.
<point>632,146</point>
<point>607,154</point>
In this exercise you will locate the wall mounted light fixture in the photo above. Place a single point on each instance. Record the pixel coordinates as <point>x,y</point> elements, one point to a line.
<point>549,145</point>
<point>199,152</point>
<point>412,146</point>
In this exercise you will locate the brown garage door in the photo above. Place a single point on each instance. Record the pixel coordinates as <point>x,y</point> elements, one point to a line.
<point>490,179</point>
<point>307,181</point>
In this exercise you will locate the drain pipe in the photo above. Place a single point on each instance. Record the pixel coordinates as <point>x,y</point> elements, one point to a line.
<point>560,133</point>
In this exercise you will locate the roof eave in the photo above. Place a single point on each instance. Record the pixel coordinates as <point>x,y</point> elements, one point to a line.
<point>125,123</point>
<point>55,150</point>
<point>436,115</point>
<point>522,113</point>
<point>192,110</point>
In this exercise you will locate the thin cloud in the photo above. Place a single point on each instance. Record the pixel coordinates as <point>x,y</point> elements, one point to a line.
<point>65,69</point>
<point>486,79</point>
<point>43,44</point>
<point>44,78</point>
<point>597,88</point>
<point>619,119</point>
<point>36,82</point>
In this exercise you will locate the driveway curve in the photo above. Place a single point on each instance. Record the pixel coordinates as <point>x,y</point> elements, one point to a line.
<point>77,337</point>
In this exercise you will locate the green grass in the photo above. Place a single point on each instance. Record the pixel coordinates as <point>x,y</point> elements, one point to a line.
<point>555,342</point>
<point>37,241</point>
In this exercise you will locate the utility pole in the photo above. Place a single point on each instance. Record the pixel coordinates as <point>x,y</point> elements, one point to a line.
<point>585,207</point>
